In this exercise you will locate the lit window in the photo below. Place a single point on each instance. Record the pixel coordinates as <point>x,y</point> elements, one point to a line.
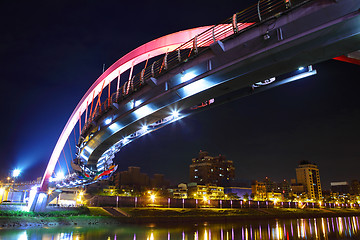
<point>196,170</point>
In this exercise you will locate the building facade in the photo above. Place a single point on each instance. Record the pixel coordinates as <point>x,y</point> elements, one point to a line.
<point>205,191</point>
<point>206,169</point>
<point>308,175</point>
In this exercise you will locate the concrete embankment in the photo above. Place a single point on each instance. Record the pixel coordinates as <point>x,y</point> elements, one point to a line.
<point>113,216</point>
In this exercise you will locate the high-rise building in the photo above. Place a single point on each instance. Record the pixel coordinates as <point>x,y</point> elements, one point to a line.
<point>206,169</point>
<point>308,175</point>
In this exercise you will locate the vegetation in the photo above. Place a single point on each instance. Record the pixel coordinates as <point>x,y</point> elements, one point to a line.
<point>76,212</point>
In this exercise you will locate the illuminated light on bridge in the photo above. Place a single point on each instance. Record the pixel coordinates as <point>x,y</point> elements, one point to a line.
<point>144,128</point>
<point>108,121</point>
<point>175,114</point>
<point>137,103</point>
<point>187,76</point>
<point>144,111</point>
<point>301,68</point>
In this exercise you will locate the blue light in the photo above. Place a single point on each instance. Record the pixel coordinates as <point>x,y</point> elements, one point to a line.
<point>301,68</point>
<point>107,121</point>
<point>125,140</point>
<point>175,114</point>
<point>187,76</point>
<point>60,176</point>
<point>16,173</point>
<point>144,128</point>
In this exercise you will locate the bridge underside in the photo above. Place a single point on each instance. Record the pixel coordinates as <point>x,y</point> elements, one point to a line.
<point>315,32</point>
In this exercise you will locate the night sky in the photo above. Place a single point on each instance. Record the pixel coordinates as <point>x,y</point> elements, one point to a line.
<point>52,51</point>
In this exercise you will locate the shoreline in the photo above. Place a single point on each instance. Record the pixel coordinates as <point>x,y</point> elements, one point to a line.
<point>170,216</point>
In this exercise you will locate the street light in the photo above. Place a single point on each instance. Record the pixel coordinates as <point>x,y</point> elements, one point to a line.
<point>16,173</point>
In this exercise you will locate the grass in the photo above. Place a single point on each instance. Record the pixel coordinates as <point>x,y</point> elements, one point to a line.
<point>77,212</point>
<point>98,211</point>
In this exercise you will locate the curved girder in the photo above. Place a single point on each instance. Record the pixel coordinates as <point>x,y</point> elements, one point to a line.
<point>148,50</point>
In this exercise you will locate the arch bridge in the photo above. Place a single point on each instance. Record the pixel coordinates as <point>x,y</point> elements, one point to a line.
<point>263,46</point>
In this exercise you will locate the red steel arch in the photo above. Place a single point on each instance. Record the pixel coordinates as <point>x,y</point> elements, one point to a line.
<point>148,50</point>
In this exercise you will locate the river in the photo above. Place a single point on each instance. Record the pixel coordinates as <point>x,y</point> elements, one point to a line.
<point>313,228</point>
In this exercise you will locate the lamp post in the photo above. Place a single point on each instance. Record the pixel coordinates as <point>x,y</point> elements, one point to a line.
<point>15,173</point>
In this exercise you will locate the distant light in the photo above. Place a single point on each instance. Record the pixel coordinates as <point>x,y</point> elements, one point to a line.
<point>301,68</point>
<point>144,128</point>
<point>175,114</point>
<point>187,76</point>
<point>16,173</point>
<point>107,121</point>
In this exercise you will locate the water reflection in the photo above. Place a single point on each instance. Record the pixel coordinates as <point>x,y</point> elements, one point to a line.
<point>314,228</point>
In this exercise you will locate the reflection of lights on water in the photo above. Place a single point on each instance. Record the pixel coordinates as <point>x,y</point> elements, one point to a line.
<point>66,236</point>
<point>251,232</point>
<point>23,236</point>
<point>205,235</point>
<point>323,226</point>
<point>315,228</point>
<point>339,226</point>
<point>151,236</point>
<point>302,228</point>
<point>260,231</point>
<point>196,235</point>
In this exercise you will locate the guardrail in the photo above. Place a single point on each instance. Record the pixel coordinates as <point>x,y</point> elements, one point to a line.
<point>235,25</point>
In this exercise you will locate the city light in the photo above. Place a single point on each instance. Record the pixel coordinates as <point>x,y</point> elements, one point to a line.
<point>16,173</point>
<point>152,197</point>
<point>205,198</point>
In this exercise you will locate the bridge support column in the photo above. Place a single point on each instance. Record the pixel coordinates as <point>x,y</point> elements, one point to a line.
<point>37,201</point>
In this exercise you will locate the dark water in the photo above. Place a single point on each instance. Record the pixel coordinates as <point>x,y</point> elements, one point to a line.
<point>314,228</point>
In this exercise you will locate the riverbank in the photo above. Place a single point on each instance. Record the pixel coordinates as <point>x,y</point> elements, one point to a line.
<point>179,215</point>
<point>94,216</point>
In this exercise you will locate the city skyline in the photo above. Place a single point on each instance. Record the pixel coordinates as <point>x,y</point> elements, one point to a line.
<point>314,119</point>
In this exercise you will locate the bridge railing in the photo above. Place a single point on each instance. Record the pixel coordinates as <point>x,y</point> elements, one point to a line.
<point>231,27</point>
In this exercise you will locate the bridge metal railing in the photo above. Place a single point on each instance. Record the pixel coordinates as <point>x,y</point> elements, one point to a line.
<point>238,23</point>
